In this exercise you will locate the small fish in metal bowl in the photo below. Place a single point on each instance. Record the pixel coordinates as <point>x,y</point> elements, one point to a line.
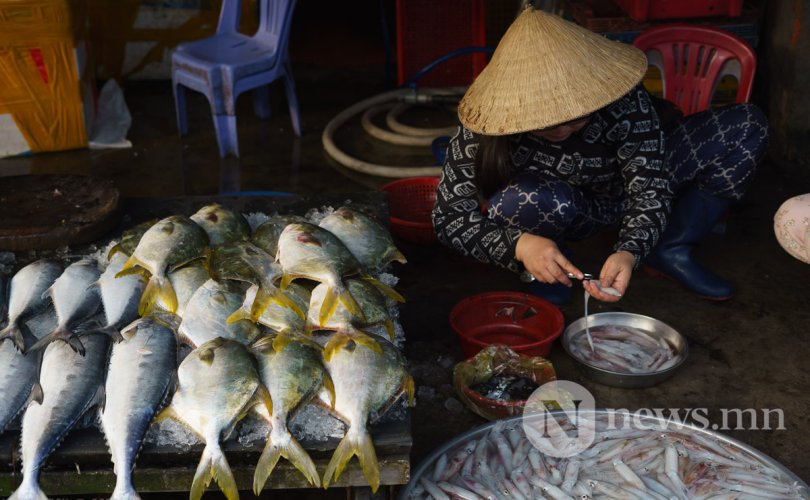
<point>625,350</point>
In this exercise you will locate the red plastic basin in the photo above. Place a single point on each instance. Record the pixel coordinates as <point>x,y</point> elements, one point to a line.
<point>524,322</point>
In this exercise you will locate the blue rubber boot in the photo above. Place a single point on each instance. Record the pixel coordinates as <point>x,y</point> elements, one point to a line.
<point>693,217</point>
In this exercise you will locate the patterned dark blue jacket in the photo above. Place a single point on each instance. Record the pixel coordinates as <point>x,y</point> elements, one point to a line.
<point>618,155</point>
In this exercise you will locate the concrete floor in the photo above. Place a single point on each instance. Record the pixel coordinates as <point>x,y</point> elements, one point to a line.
<point>747,353</point>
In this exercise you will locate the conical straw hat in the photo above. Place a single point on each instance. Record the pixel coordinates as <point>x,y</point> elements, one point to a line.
<point>547,71</point>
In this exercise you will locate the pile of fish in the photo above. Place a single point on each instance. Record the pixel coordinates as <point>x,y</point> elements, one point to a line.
<point>623,349</point>
<point>290,314</point>
<point>624,462</point>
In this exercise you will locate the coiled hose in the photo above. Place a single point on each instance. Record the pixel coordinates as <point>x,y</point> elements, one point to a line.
<point>399,134</point>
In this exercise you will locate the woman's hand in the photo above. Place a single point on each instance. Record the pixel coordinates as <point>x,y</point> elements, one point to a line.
<point>541,257</point>
<point>615,273</point>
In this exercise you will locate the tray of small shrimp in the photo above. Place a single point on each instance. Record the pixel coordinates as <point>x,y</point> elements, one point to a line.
<point>623,349</point>
<point>626,456</point>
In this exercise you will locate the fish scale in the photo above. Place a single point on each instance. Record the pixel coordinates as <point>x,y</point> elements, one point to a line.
<point>70,385</point>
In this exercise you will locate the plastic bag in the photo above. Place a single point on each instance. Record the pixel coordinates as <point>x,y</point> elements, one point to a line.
<point>113,119</point>
<point>491,363</point>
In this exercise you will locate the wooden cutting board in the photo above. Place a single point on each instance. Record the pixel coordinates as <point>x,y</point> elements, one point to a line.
<point>39,212</point>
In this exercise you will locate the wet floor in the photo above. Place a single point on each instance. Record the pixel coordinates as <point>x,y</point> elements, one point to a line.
<point>748,353</point>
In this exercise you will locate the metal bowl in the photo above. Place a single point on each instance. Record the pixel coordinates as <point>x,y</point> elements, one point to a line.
<point>653,326</point>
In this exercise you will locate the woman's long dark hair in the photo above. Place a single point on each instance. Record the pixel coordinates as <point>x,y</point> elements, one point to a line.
<point>493,164</point>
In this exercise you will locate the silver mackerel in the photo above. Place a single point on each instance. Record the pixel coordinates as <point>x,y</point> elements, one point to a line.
<point>71,385</point>
<point>138,382</point>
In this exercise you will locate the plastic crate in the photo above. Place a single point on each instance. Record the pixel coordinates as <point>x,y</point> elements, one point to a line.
<point>410,202</point>
<point>606,18</point>
<point>427,30</point>
<point>642,10</point>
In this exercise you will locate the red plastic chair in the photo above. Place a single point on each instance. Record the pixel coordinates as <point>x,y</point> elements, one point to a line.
<point>692,60</point>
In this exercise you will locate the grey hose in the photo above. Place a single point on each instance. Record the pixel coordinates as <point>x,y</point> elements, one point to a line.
<point>366,106</point>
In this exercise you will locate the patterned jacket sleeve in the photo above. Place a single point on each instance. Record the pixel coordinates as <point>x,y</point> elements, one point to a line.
<point>641,157</point>
<point>457,217</point>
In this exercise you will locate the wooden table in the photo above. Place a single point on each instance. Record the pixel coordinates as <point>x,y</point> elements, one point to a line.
<point>81,464</point>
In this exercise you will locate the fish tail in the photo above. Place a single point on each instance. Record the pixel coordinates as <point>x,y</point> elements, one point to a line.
<point>387,290</point>
<point>238,315</point>
<point>29,490</point>
<point>213,465</point>
<point>267,294</point>
<point>110,330</point>
<point>328,306</point>
<point>288,448</point>
<point>160,289</point>
<point>131,266</point>
<point>62,334</point>
<point>340,339</point>
<point>124,489</point>
<point>286,337</point>
<point>14,333</point>
<point>354,443</point>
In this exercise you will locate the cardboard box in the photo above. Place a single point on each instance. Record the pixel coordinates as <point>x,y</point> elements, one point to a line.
<point>47,86</point>
<point>133,39</point>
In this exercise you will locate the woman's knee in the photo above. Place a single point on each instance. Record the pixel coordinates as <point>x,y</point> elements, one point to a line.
<point>534,204</point>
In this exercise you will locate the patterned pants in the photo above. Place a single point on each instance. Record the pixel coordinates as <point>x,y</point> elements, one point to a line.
<point>716,150</point>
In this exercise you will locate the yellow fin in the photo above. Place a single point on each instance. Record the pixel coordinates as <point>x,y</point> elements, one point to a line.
<point>114,250</point>
<point>340,339</point>
<point>409,386</point>
<point>399,257</point>
<point>366,340</point>
<point>387,290</point>
<point>354,443</point>
<point>213,465</point>
<point>329,386</point>
<point>281,341</point>
<point>131,267</point>
<point>159,288</point>
<point>238,315</point>
<point>292,451</point>
<point>207,355</point>
<point>265,295</point>
<point>263,398</point>
<point>165,413</point>
<point>351,305</point>
<point>389,329</point>
<point>286,279</point>
<point>328,306</point>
